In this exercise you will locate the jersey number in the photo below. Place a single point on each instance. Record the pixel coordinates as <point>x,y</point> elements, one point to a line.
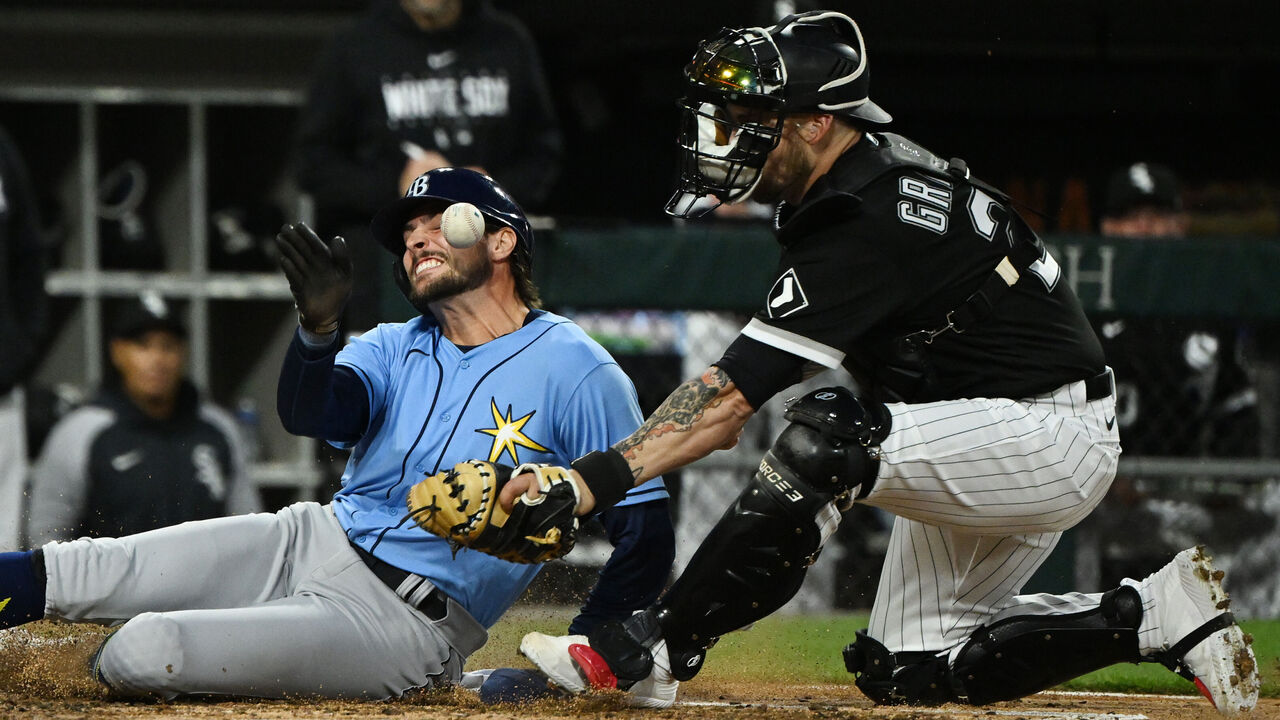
<point>928,206</point>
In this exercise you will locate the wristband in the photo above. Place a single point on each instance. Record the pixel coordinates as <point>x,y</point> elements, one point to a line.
<point>607,475</point>
<point>316,341</point>
<point>326,329</point>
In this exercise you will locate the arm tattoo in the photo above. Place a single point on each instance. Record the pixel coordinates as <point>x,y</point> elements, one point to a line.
<point>678,413</point>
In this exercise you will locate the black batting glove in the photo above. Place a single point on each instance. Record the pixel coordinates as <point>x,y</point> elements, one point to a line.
<point>319,276</point>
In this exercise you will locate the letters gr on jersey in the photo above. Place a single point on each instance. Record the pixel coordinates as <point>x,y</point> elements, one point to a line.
<point>786,296</point>
<point>927,204</point>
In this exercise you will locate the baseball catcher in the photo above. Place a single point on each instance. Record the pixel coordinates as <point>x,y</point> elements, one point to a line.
<point>461,506</point>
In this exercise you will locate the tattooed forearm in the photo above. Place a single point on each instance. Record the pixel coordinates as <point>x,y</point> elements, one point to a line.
<point>682,408</point>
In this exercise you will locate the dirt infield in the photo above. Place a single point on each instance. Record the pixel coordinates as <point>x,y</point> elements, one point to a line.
<point>43,677</point>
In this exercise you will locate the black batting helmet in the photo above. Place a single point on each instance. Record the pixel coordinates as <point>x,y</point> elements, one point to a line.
<point>445,186</point>
<point>811,62</point>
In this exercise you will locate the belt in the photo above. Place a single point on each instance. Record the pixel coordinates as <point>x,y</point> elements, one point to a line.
<point>416,590</point>
<point>1099,386</point>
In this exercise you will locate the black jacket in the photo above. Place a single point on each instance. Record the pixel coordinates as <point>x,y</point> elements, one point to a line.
<point>109,470</point>
<point>475,93</point>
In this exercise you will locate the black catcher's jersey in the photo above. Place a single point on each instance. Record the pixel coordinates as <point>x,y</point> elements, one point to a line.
<point>881,249</point>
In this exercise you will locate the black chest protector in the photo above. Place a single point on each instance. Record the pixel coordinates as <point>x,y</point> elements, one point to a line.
<point>901,369</point>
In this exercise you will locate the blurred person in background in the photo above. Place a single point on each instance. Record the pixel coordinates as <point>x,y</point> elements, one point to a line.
<point>1184,385</point>
<point>1144,200</point>
<point>147,451</point>
<point>24,320</point>
<point>412,86</point>
<point>1184,388</point>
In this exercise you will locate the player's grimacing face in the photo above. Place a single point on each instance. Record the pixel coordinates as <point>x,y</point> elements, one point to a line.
<point>437,270</point>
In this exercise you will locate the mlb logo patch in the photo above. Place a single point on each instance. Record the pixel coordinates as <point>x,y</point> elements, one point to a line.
<point>786,296</point>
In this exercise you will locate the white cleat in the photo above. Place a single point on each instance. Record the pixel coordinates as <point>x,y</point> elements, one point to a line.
<point>1201,641</point>
<point>551,654</point>
<point>571,663</point>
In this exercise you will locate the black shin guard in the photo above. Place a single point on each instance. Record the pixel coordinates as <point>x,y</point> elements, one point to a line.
<point>1009,659</point>
<point>755,558</point>
<point>1022,655</point>
<point>753,562</point>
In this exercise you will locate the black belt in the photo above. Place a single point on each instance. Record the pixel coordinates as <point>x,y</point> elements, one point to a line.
<point>416,590</point>
<point>1099,386</point>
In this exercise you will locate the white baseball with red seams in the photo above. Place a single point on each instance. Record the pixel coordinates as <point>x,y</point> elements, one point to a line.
<point>462,224</point>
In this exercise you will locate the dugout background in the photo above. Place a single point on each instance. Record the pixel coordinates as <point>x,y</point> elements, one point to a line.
<point>1044,99</point>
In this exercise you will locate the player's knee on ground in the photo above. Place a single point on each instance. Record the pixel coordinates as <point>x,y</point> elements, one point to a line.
<point>143,657</point>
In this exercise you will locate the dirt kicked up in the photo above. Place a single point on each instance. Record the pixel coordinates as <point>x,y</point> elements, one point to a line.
<point>43,676</point>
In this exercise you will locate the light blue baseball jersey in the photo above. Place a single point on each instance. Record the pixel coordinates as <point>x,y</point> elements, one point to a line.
<point>544,393</point>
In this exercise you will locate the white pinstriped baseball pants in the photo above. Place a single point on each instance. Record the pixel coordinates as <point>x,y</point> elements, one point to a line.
<point>982,490</point>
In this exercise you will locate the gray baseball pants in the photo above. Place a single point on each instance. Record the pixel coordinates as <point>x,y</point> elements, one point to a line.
<point>263,605</point>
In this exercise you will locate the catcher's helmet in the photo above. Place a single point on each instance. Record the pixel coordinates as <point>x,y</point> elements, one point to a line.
<point>444,186</point>
<point>811,62</point>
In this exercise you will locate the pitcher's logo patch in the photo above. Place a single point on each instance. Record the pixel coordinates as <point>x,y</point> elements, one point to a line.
<point>786,296</point>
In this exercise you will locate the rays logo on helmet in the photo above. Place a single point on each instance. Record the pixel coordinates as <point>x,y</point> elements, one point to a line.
<point>419,186</point>
<point>786,296</point>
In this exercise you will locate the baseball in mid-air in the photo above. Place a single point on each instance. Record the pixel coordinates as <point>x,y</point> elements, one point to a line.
<point>462,224</point>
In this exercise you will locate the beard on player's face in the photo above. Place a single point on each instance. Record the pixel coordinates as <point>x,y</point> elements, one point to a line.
<point>784,173</point>
<point>467,270</point>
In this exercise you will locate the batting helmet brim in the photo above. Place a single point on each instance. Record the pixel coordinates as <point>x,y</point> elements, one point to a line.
<point>388,225</point>
<point>437,189</point>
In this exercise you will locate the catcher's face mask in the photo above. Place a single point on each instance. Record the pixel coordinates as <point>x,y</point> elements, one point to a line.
<point>720,155</point>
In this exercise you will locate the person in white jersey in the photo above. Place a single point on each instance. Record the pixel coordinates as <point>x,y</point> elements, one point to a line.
<point>983,416</point>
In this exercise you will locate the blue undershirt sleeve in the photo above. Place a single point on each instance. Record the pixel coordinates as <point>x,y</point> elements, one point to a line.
<point>316,399</point>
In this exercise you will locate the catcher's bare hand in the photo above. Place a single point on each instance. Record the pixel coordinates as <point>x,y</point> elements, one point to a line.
<point>461,506</point>
<point>319,275</point>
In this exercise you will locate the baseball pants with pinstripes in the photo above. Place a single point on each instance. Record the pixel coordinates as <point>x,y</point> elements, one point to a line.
<point>982,490</point>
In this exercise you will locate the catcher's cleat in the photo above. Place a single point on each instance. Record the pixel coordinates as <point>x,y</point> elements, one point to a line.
<point>571,663</point>
<point>1187,629</point>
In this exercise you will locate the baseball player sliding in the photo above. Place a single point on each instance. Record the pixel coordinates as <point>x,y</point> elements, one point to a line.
<point>352,598</point>
<point>984,416</point>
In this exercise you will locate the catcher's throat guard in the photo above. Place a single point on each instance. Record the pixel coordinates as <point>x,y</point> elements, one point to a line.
<point>461,506</point>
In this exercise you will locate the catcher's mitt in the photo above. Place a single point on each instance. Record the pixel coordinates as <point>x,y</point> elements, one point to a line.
<point>461,506</point>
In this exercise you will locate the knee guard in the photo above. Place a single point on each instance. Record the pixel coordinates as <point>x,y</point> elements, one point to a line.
<point>844,456</point>
<point>755,558</point>
<point>1009,659</point>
